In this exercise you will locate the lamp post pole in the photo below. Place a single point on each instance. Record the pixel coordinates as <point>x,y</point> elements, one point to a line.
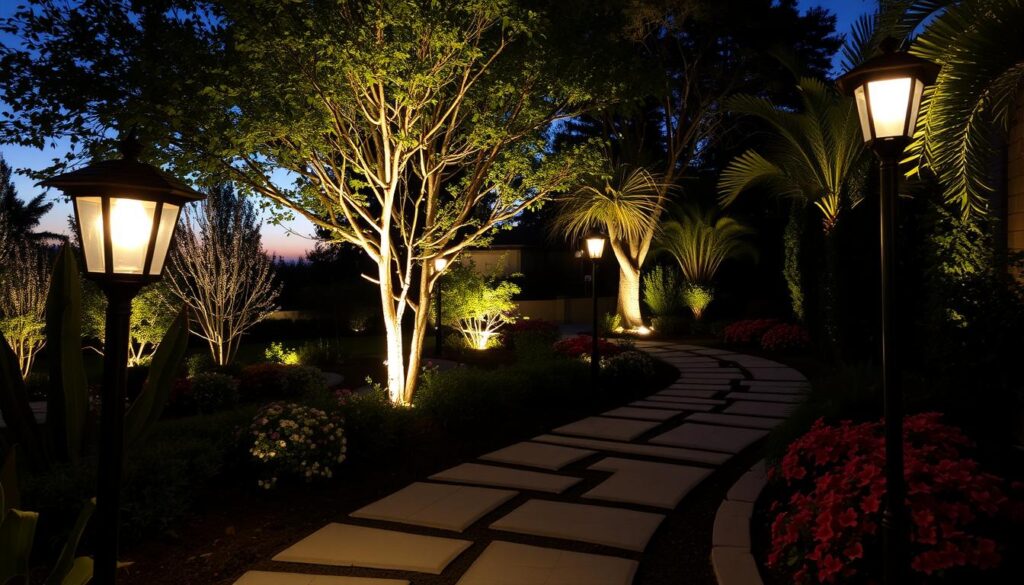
<point>111,448</point>
<point>595,357</point>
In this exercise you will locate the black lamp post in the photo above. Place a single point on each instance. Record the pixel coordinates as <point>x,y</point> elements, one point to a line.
<point>888,91</point>
<point>125,214</point>
<point>595,248</point>
<point>439,265</point>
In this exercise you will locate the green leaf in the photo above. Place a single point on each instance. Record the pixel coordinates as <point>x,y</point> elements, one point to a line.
<point>68,402</point>
<point>17,530</point>
<point>149,405</point>
<point>14,407</point>
<point>67,566</point>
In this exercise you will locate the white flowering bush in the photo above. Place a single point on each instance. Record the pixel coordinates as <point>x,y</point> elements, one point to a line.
<point>288,439</point>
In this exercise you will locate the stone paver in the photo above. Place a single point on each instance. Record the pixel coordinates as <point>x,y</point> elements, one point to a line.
<point>748,487</point>
<point>641,413</point>
<point>443,506</point>
<point>691,393</point>
<point>734,566</point>
<point>765,397</point>
<point>793,390</point>
<point>760,409</point>
<point>527,454</point>
<point>713,438</point>
<point>786,374</point>
<point>695,455</point>
<point>678,406</point>
<point>346,545</point>
<point>600,427</point>
<point>505,563</point>
<point>273,578</point>
<point>732,524</point>
<point>660,485</point>
<point>615,527</point>
<point>687,399</point>
<point>506,477</point>
<point>737,420</point>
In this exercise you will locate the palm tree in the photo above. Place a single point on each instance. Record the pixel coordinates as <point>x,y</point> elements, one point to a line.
<point>700,242</point>
<point>815,157</point>
<point>628,205</point>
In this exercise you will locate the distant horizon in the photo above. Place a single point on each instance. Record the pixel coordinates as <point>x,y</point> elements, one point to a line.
<point>293,239</point>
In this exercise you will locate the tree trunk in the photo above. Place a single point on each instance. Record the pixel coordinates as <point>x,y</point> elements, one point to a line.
<point>419,334</point>
<point>792,239</point>
<point>830,297</point>
<point>628,306</point>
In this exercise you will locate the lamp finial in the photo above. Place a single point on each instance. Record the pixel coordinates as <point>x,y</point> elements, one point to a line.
<point>889,45</point>
<point>129,145</point>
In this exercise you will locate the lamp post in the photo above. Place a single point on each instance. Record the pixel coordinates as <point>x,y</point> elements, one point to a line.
<point>595,248</point>
<point>440,264</point>
<point>888,91</point>
<point>125,214</point>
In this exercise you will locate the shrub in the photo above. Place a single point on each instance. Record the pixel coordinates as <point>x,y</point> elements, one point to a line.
<point>580,346</point>
<point>478,306</point>
<point>304,381</point>
<point>198,363</point>
<point>785,337</point>
<point>277,353</point>
<point>211,392</point>
<point>262,381</point>
<point>292,440</point>
<point>611,323</point>
<point>628,365</point>
<point>37,385</point>
<point>747,331</point>
<point>828,528</point>
<point>320,353</point>
<point>698,297</point>
<point>532,338</point>
<point>662,288</point>
<point>374,426</point>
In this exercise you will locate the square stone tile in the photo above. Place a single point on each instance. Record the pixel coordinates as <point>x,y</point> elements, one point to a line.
<point>437,505</point>
<point>786,374</point>
<point>677,406</point>
<point>765,397</point>
<point>689,393</point>
<point>687,376</point>
<point>710,437</point>
<point>529,454</point>
<point>616,527</point>
<point>732,524</point>
<point>507,477</point>
<point>505,563</point>
<point>791,390</point>
<point>274,578</point>
<point>760,408</point>
<point>661,485</point>
<point>674,453</point>
<point>736,420</point>
<point>663,395</point>
<point>641,413</point>
<point>600,427</point>
<point>734,566</point>
<point>345,545</point>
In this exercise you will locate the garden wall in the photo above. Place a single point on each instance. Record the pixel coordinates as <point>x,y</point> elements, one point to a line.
<point>1015,182</point>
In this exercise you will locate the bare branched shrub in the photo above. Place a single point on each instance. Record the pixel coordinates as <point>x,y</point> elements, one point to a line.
<point>220,271</point>
<point>24,281</point>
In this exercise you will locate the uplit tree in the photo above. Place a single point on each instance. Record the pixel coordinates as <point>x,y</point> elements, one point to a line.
<point>219,270</point>
<point>24,281</point>
<point>153,311</point>
<point>411,130</point>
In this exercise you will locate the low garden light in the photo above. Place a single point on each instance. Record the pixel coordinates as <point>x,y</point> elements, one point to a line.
<point>888,91</point>
<point>595,249</point>
<point>125,214</point>
<point>440,263</point>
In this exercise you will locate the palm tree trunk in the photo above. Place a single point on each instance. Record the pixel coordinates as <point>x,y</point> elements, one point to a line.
<point>628,305</point>
<point>830,296</point>
<point>792,238</point>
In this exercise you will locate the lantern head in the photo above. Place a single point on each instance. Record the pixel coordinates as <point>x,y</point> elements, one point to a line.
<point>595,244</point>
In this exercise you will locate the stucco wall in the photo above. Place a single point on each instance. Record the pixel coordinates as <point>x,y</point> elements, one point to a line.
<point>1015,183</point>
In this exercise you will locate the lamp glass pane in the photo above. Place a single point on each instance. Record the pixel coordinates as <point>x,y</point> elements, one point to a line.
<point>131,224</point>
<point>90,222</point>
<point>915,105</point>
<point>862,110</point>
<point>595,247</point>
<point>889,101</point>
<point>168,221</point>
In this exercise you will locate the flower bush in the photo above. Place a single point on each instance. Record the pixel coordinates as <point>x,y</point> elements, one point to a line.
<point>785,337</point>
<point>288,439</point>
<point>628,365</point>
<point>580,346</point>
<point>262,381</point>
<point>532,338</point>
<point>211,392</point>
<point>747,331</point>
<point>828,529</point>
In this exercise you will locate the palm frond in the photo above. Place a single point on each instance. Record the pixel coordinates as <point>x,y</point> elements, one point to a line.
<point>627,204</point>
<point>700,243</point>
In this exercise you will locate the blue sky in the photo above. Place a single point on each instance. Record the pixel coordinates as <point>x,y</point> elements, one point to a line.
<point>291,240</point>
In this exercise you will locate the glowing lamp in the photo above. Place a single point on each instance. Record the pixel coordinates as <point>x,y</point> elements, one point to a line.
<point>888,90</point>
<point>125,214</point>
<point>440,264</point>
<point>595,244</point>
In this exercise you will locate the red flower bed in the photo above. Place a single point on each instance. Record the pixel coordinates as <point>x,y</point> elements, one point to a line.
<point>785,337</point>
<point>581,345</point>
<point>828,531</point>
<point>747,331</point>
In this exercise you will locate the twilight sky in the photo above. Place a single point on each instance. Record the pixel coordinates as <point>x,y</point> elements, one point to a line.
<point>290,241</point>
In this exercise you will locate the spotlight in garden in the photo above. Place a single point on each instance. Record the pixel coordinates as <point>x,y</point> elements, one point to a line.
<point>125,214</point>
<point>888,91</point>
<point>595,248</point>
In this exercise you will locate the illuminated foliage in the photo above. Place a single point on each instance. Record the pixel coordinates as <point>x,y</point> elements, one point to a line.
<point>477,305</point>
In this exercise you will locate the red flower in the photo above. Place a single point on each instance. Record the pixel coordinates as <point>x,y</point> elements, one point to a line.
<point>854,551</point>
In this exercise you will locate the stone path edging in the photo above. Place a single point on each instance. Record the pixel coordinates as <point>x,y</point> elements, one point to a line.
<point>575,505</point>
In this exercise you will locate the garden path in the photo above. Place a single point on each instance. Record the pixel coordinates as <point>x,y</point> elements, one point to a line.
<point>576,506</point>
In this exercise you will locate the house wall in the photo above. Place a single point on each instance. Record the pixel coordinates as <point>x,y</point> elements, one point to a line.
<point>1015,182</point>
<point>488,261</point>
